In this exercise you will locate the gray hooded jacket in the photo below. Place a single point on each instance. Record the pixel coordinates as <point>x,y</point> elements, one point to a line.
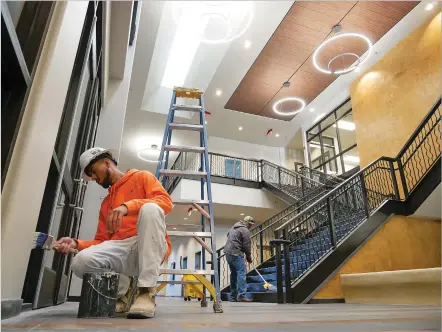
<point>238,241</point>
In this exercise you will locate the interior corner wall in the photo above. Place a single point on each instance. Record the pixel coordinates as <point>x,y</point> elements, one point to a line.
<point>109,135</point>
<point>403,243</point>
<point>391,98</point>
<point>31,158</point>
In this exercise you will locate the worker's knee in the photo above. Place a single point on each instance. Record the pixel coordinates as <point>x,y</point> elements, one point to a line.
<point>82,263</point>
<point>149,211</point>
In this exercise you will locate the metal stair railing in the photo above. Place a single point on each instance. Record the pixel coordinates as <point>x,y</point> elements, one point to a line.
<point>327,219</point>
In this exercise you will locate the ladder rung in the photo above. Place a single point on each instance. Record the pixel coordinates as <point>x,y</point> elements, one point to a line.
<point>185,126</point>
<point>179,282</point>
<point>188,108</point>
<point>179,173</point>
<point>190,202</point>
<point>186,272</point>
<point>199,234</point>
<point>197,149</point>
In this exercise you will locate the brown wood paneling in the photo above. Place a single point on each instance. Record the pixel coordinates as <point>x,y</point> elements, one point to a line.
<point>404,243</point>
<point>288,53</point>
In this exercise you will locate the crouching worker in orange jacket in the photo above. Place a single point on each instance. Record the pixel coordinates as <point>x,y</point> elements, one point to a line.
<point>131,238</point>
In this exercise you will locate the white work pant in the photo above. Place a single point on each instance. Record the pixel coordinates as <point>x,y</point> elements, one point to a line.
<point>139,255</point>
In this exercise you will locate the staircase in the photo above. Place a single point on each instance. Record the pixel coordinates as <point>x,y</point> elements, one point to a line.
<point>319,236</point>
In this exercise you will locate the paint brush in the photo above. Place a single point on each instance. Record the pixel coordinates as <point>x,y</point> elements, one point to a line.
<point>46,242</point>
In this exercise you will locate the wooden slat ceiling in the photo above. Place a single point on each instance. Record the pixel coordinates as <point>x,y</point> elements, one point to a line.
<point>288,54</point>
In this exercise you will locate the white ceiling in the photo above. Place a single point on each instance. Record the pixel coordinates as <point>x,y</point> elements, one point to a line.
<point>223,67</point>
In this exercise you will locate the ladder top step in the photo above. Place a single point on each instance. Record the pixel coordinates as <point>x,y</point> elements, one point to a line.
<point>190,202</point>
<point>198,149</point>
<point>182,233</point>
<point>186,272</point>
<point>189,108</point>
<point>187,92</point>
<point>188,174</point>
<point>185,126</point>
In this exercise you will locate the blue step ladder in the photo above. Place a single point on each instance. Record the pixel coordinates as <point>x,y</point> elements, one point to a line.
<point>204,206</point>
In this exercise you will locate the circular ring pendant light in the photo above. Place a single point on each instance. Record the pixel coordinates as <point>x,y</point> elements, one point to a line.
<point>352,67</point>
<point>299,100</point>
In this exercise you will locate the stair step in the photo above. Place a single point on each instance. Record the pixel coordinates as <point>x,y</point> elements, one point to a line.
<point>190,174</point>
<point>188,108</point>
<point>185,126</point>
<point>186,272</point>
<point>190,202</point>
<point>199,234</point>
<point>197,149</point>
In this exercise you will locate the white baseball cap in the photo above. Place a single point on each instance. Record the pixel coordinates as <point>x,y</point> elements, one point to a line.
<point>91,154</point>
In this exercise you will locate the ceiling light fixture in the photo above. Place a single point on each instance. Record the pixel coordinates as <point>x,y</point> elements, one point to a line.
<point>239,128</point>
<point>150,155</point>
<point>430,6</point>
<point>352,159</point>
<point>247,44</point>
<point>275,105</point>
<point>277,135</point>
<point>218,92</point>
<point>346,125</point>
<point>359,61</point>
<point>241,214</point>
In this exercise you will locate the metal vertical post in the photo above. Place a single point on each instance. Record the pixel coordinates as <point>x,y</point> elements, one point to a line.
<point>403,179</point>
<point>364,195</point>
<point>261,249</point>
<point>331,219</point>
<point>279,280</point>
<point>393,178</point>
<point>287,272</point>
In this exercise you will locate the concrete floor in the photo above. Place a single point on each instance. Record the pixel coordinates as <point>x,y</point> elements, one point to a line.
<point>174,314</point>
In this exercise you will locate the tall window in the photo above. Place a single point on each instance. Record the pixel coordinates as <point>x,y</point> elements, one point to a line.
<point>24,25</point>
<point>331,141</point>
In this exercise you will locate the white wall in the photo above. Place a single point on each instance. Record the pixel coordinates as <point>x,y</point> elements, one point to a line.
<point>28,170</point>
<point>246,150</point>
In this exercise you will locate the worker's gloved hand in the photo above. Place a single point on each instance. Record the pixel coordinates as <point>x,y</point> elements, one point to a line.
<point>113,221</point>
<point>65,244</point>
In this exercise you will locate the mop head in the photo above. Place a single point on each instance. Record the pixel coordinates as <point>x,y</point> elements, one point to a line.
<point>269,287</point>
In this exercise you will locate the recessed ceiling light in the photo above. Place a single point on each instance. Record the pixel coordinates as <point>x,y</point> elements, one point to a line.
<point>312,109</point>
<point>239,128</point>
<point>185,218</point>
<point>241,214</point>
<point>430,6</point>
<point>218,92</point>
<point>174,228</point>
<point>247,44</point>
<point>277,135</point>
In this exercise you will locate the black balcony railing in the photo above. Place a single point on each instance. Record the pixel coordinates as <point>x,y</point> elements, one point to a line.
<point>320,227</point>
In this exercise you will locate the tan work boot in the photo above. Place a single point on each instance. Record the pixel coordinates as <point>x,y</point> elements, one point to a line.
<point>124,302</point>
<point>144,305</point>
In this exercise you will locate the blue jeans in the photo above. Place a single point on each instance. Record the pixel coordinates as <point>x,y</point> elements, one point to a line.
<point>238,283</point>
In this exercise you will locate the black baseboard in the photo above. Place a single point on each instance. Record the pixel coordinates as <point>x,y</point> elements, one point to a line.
<point>11,308</point>
<point>74,298</point>
<point>326,301</point>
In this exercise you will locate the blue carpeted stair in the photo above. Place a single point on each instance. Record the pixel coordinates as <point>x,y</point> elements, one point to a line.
<point>306,253</point>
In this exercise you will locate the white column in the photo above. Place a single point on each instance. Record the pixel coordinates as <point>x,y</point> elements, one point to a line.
<point>27,174</point>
